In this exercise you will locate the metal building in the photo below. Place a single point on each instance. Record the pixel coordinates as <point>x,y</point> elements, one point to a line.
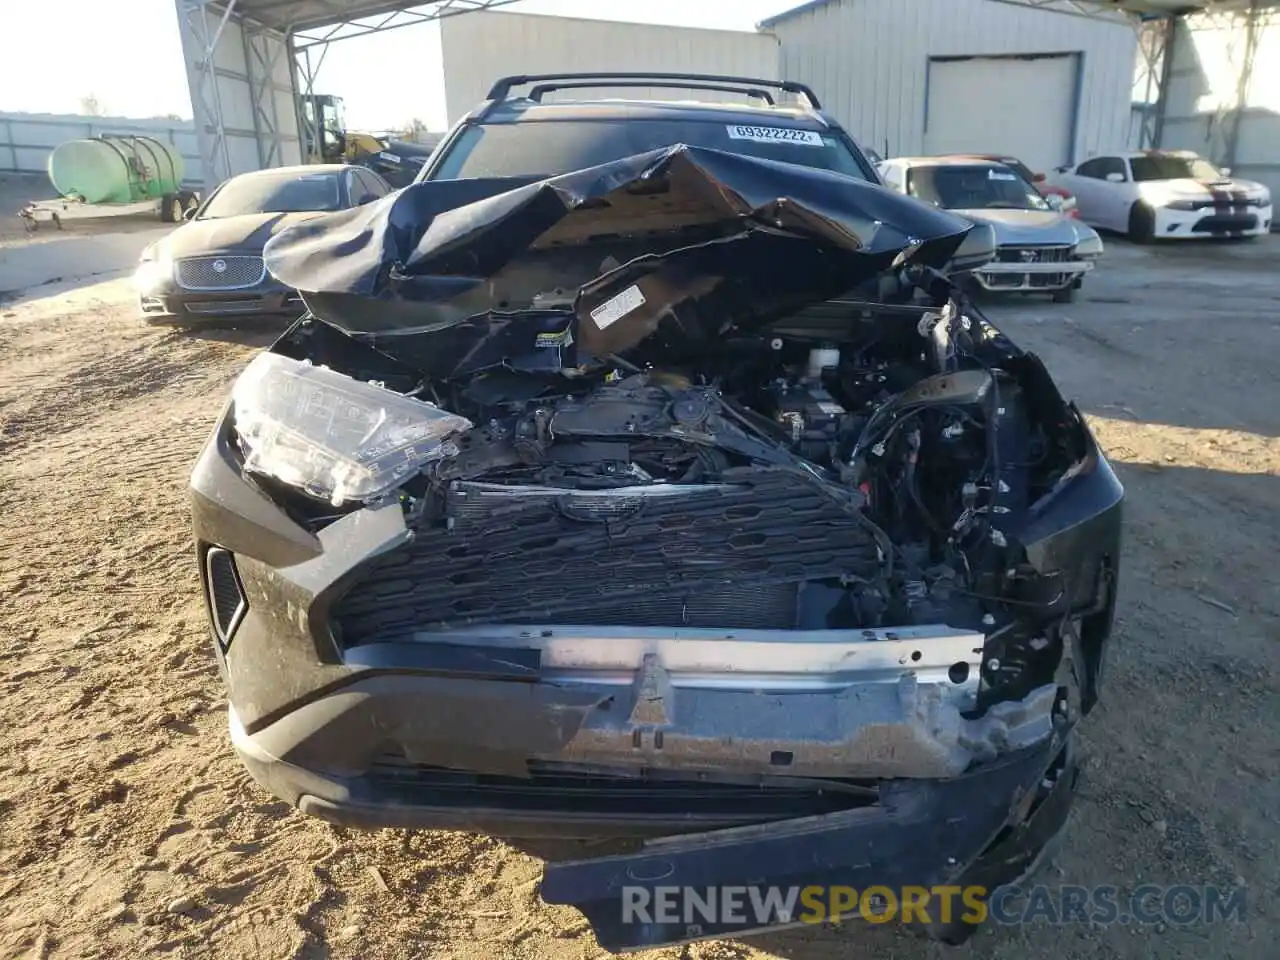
<point>1051,80</point>
<point>1223,90</point>
<point>248,60</point>
<point>1048,85</point>
<point>484,46</point>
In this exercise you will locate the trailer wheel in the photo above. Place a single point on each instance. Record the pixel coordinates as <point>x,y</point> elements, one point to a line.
<point>190,201</point>
<point>171,208</point>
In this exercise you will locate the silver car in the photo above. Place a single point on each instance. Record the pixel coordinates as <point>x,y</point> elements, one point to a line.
<point>1038,249</point>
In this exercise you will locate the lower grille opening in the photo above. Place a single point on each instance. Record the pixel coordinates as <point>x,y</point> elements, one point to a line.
<point>254,305</point>
<point>226,596</point>
<point>552,786</point>
<point>1006,279</point>
<point>1225,223</point>
<point>1048,279</point>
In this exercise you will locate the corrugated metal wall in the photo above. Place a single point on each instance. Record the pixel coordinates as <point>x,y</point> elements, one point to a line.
<point>257,131</point>
<point>480,47</point>
<point>1209,54</point>
<point>868,60</point>
<point>27,139</point>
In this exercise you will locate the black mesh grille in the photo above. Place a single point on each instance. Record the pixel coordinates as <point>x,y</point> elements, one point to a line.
<point>225,597</point>
<point>720,556</point>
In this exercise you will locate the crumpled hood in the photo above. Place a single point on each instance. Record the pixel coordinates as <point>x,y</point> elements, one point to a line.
<point>248,232</point>
<point>678,246</point>
<point>1026,226</point>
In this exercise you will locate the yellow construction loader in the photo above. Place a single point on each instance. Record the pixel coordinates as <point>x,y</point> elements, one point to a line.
<point>329,141</point>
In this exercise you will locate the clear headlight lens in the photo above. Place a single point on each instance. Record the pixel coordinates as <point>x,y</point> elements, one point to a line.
<point>151,275</point>
<point>1184,203</point>
<point>1089,247</point>
<point>333,437</point>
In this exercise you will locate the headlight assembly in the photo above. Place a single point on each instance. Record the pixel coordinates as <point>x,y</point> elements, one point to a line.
<point>1187,204</point>
<point>333,437</point>
<point>1089,247</point>
<point>151,275</point>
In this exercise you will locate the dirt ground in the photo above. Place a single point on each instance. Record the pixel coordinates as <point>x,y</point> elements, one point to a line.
<point>128,829</point>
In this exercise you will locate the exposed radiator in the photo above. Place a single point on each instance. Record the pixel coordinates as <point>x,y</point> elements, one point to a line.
<point>722,555</point>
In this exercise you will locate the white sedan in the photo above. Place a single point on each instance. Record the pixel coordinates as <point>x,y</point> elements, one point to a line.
<point>1151,194</point>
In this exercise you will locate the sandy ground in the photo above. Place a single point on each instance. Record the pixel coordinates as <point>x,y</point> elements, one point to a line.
<point>127,828</point>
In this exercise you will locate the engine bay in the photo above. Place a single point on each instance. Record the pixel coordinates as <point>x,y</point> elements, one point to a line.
<point>927,441</point>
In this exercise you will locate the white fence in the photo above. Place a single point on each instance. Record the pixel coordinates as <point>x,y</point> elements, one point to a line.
<point>27,139</point>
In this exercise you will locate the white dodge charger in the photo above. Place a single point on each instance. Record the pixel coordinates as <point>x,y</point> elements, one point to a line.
<point>1151,194</point>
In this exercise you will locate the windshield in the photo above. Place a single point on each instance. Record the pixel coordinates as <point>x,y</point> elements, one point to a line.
<point>979,187</point>
<point>547,148</point>
<point>282,193</point>
<point>1154,167</point>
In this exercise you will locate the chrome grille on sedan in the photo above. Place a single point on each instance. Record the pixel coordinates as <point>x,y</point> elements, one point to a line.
<point>220,273</point>
<point>1040,253</point>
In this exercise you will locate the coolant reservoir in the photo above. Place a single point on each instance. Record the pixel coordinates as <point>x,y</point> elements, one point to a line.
<point>822,358</point>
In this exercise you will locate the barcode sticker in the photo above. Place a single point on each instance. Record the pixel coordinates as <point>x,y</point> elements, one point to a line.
<point>809,138</point>
<point>617,307</point>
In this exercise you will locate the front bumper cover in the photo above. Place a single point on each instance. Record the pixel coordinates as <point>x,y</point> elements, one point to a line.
<point>985,828</point>
<point>1221,220</point>
<point>267,298</point>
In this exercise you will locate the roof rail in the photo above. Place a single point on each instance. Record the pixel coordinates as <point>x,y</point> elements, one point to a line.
<point>502,88</point>
<point>542,89</point>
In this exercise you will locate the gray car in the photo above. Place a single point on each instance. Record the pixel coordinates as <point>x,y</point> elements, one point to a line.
<point>212,267</point>
<point>1038,249</point>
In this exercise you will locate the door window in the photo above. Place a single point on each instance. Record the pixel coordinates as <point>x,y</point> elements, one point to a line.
<point>1099,167</point>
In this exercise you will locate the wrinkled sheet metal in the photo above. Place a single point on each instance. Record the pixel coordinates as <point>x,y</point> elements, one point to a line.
<point>684,242</point>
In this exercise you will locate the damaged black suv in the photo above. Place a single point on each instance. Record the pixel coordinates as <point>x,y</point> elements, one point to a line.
<point>672,493</point>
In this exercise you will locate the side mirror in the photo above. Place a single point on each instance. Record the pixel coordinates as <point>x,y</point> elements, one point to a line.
<point>190,213</point>
<point>1054,201</point>
<point>1115,177</point>
<point>1225,171</point>
<point>1037,178</point>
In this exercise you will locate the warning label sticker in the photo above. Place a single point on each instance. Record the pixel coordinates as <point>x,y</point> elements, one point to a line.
<point>617,307</point>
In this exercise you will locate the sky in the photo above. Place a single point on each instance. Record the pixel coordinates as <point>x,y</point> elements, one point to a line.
<point>127,55</point>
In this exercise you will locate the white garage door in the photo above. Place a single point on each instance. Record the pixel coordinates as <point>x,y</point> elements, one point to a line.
<point>1014,105</point>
